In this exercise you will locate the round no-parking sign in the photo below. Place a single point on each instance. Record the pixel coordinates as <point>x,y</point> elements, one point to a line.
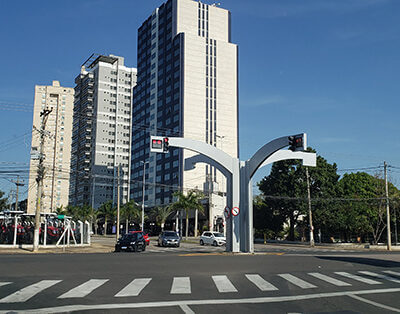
<point>235,211</point>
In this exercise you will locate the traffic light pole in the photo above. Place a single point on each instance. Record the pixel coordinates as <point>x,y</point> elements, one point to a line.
<point>239,175</point>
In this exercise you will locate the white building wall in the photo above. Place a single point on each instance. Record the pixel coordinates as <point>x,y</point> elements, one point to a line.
<point>194,83</point>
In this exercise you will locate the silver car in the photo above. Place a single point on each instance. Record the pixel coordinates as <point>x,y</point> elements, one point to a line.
<point>169,238</point>
<point>213,238</point>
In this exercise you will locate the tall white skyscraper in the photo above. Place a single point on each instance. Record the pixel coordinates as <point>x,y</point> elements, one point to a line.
<point>187,86</point>
<point>101,140</point>
<point>56,148</point>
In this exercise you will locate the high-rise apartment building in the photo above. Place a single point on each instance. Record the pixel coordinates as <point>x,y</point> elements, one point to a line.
<point>187,86</point>
<point>101,140</point>
<point>56,148</point>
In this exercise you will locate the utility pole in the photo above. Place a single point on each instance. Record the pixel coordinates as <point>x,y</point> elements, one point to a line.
<point>11,192</point>
<point>143,192</point>
<point>118,199</point>
<point>17,184</point>
<point>389,239</point>
<point>40,175</point>
<point>210,204</point>
<point>312,243</point>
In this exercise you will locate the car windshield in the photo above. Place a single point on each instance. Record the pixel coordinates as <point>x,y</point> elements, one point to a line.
<point>218,234</point>
<point>129,237</point>
<point>170,234</point>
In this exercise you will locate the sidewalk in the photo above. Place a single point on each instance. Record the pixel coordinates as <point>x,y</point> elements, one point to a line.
<point>99,244</point>
<point>333,246</point>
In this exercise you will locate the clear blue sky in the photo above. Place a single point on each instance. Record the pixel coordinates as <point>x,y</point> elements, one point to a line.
<point>328,68</point>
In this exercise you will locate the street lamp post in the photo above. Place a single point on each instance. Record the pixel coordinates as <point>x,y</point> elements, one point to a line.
<point>144,185</point>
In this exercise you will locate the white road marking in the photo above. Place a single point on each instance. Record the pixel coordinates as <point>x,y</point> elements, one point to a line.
<point>390,272</point>
<point>28,292</point>
<point>223,284</point>
<point>181,285</point>
<point>4,283</point>
<point>84,289</point>
<point>297,281</point>
<point>261,284</point>
<point>134,288</point>
<point>369,273</point>
<point>330,280</point>
<point>383,306</point>
<point>358,278</point>
<point>161,304</point>
<point>186,309</point>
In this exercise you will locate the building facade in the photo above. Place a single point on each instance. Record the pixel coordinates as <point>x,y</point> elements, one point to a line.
<point>56,148</point>
<point>101,140</point>
<point>187,86</point>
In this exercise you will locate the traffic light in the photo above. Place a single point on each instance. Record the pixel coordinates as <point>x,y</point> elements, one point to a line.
<point>296,142</point>
<point>159,144</point>
<point>166,145</point>
<point>156,144</point>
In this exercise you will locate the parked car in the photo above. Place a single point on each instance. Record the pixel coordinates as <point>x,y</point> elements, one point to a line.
<point>213,238</point>
<point>131,242</point>
<point>145,236</point>
<point>169,238</point>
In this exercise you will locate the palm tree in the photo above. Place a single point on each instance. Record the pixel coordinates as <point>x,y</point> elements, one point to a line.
<point>108,211</point>
<point>130,211</point>
<point>161,214</point>
<point>188,202</point>
<point>61,211</point>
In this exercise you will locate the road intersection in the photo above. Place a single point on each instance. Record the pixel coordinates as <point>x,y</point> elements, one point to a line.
<point>201,280</point>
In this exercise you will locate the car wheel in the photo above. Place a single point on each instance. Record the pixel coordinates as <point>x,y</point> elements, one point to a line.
<point>117,250</point>
<point>201,242</point>
<point>144,248</point>
<point>177,245</point>
<point>215,243</point>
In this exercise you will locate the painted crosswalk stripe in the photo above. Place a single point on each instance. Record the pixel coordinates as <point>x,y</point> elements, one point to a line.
<point>28,292</point>
<point>181,285</point>
<point>134,288</point>
<point>380,276</point>
<point>391,272</point>
<point>84,289</point>
<point>330,280</point>
<point>297,281</point>
<point>4,283</point>
<point>358,278</point>
<point>223,284</point>
<point>261,284</point>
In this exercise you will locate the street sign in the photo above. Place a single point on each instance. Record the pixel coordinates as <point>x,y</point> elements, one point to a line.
<point>227,212</point>
<point>235,211</point>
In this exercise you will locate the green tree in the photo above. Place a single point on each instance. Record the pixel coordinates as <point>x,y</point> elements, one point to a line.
<point>61,211</point>
<point>187,202</point>
<point>161,214</point>
<point>130,211</point>
<point>266,221</point>
<point>108,212</point>
<point>364,208</point>
<point>285,192</point>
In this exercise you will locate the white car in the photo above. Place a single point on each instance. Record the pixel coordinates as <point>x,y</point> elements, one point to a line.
<point>213,238</point>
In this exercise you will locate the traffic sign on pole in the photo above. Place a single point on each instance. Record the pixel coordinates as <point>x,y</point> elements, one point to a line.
<point>227,213</point>
<point>235,211</point>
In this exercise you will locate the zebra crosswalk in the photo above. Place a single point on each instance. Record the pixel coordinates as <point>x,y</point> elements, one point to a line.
<point>182,285</point>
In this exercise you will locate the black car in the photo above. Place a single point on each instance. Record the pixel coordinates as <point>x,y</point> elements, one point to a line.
<point>169,238</point>
<point>131,242</point>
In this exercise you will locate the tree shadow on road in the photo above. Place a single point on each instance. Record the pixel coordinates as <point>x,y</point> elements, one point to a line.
<point>362,260</point>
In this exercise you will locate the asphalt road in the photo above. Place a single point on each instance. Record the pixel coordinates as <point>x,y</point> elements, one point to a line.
<point>194,279</point>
